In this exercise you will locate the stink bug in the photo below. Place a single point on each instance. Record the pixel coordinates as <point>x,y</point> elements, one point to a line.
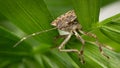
<point>70,26</point>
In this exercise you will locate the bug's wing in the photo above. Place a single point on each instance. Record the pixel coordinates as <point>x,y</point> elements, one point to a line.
<point>65,18</point>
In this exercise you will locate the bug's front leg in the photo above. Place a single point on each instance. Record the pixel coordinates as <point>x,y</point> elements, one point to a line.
<point>97,42</point>
<point>63,44</point>
<point>81,55</point>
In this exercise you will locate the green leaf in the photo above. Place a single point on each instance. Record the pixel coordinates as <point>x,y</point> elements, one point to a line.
<point>61,6</point>
<point>87,12</point>
<point>112,33</point>
<point>25,16</point>
<point>93,57</point>
<point>8,54</point>
<point>106,2</point>
<point>111,29</point>
<point>19,18</point>
<point>106,41</point>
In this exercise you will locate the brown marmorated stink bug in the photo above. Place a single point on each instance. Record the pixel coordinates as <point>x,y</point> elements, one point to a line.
<point>70,26</point>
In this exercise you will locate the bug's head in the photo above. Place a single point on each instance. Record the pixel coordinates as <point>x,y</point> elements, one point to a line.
<point>54,23</point>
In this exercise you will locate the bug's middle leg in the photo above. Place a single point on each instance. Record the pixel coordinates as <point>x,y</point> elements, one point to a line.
<point>81,55</point>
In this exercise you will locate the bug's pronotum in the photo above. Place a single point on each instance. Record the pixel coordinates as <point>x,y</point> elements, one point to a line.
<point>69,24</point>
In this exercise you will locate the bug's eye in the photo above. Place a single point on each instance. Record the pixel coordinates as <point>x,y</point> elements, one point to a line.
<point>54,23</point>
<point>76,21</point>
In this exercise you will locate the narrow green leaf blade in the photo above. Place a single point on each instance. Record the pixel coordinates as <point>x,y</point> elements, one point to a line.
<point>111,28</point>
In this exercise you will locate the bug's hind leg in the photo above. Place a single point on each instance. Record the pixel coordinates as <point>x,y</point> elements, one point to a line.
<point>97,42</point>
<point>81,52</point>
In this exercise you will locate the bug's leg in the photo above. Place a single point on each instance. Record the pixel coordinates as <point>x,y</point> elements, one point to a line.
<point>63,44</point>
<point>81,55</point>
<point>97,42</point>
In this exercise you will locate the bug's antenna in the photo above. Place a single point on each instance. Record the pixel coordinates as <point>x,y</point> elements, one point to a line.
<point>31,35</point>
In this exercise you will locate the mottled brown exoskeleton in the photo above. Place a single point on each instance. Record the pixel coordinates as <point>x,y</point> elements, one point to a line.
<point>70,26</point>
